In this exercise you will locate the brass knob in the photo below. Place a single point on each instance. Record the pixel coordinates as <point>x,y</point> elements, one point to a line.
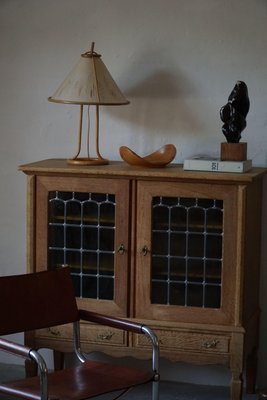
<point>144,250</point>
<point>121,249</point>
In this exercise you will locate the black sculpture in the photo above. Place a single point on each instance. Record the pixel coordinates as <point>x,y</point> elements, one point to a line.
<point>234,113</point>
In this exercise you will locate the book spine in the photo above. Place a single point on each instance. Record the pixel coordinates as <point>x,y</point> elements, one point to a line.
<point>216,166</point>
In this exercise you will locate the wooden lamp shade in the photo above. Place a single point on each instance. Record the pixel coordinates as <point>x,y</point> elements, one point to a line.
<point>89,83</point>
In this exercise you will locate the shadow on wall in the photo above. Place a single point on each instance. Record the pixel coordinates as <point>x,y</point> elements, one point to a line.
<point>161,98</point>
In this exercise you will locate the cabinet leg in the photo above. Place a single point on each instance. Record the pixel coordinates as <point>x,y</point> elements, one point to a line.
<point>236,386</point>
<point>59,359</point>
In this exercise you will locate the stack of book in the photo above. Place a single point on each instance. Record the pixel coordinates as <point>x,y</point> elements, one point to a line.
<point>216,165</point>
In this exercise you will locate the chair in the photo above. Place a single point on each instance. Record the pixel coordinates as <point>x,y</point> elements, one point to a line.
<point>45,299</point>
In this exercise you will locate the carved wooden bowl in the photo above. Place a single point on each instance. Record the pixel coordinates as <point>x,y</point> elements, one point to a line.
<point>159,158</point>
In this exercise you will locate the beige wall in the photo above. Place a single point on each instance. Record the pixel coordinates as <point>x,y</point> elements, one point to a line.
<point>176,61</point>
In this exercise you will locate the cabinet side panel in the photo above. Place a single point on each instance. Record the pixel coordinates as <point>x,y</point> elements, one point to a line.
<point>31,210</point>
<point>252,251</point>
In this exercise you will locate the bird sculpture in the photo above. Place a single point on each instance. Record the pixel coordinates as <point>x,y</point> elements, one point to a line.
<point>234,113</point>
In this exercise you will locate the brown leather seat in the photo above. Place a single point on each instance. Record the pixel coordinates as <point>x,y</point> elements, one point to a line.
<point>45,299</point>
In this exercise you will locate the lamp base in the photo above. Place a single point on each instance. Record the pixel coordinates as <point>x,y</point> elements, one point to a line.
<point>87,161</point>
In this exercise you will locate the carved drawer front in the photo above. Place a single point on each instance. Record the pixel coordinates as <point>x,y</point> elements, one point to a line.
<point>103,335</point>
<point>182,340</point>
<point>56,332</point>
<point>89,333</point>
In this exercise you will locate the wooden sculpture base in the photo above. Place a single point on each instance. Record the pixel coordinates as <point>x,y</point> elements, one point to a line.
<point>233,151</point>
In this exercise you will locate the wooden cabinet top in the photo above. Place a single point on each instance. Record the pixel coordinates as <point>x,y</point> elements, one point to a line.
<point>119,169</point>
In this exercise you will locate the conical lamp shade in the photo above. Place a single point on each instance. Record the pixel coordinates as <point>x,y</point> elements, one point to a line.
<point>89,83</point>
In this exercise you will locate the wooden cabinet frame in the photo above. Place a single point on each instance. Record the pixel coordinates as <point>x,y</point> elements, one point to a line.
<point>227,335</point>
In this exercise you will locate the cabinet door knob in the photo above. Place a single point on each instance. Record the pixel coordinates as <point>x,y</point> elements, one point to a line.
<point>144,250</point>
<point>121,249</point>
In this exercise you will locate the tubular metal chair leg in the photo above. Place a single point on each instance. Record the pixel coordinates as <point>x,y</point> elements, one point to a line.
<point>155,390</point>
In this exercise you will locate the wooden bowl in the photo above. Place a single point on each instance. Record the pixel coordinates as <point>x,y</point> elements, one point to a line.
<point>159,158</point>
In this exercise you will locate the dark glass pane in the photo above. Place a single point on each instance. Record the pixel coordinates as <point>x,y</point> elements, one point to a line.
<point>80,197</point>
<point>56,211</point>
<point>107,214</point>
<point>194,295</point>
<point>159,293</point>
<point>99,197</point>
<point>106,288</point>
<point>177,294</point>
<point>65,195</point>
<point>73,212</point>
<point>160,243</point>
<point>156,200</point>
<point>106,264</point>
<point>90,238</point>
<point>214,220</point>
<point>89,263</point>
<point>73,259</point>
<point>178,268</point>
<point>188,201</point>
<point>89,287</point>
<point>195,245</point>
<point>178,244</point>
<point>77,285</point>
<point>170,201</point>
<point>178,219</point>
<point>106,241</point>
<point>159,268</point>
<point>205,203</point>
<point>213,296</point>
<point>195,268</point>
<point>196,219</point>
<point>90,213</point>
<point>214,246</point>
<point>55,258</point>
<point>73,237</point>
<point>56,236</point>
<point>160,218</point>
<point>213,271</point>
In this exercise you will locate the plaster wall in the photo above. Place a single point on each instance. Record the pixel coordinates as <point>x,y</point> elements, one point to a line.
<point>175,60</point>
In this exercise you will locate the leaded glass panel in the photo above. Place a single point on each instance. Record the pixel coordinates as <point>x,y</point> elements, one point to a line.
<point>187,240</point>
<point>82,235</point>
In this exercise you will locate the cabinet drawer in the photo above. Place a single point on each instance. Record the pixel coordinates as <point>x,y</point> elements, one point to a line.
<point>103,335</point>
<point>89,334</point>
<point>187,341</point>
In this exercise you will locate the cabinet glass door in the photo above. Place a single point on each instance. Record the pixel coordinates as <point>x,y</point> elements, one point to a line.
<point>184,256</point>
<point>82,219</point>
<point>81,234</point>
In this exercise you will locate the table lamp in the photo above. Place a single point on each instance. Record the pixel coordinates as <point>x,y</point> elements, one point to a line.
<point>89,83</point>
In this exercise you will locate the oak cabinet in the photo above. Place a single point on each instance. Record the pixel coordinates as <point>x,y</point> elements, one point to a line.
<point>178,250</point>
